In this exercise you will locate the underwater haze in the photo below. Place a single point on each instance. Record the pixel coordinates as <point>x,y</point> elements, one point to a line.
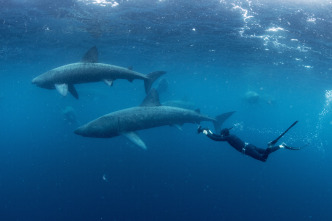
<point>270,61</point>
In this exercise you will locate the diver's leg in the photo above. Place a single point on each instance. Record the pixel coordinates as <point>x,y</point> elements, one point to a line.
<point>272,149</point>
<point>273,142</point>
<point>255,152</point>
<point>260,150</point>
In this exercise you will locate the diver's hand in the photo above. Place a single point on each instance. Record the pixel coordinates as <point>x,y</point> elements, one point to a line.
<point>204,130</point>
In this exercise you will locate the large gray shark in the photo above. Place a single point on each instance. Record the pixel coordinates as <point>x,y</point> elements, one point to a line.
<point>150,114</point>
<point>88,70</point>
<point>180,103</point>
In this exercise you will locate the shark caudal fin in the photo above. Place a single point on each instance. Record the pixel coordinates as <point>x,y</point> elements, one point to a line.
<point>151,78</point>
<point>220,119</point>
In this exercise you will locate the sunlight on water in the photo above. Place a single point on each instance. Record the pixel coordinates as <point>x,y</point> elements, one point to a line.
<point>326,109</point>
<point>274,37</point>
<point>246,18</point>
<point>275,29</point>
<point>103,3</point>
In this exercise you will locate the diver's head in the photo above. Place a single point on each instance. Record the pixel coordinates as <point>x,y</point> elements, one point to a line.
<point>225,132</point>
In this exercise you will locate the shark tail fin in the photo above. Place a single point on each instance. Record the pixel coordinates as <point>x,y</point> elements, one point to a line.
<point>151,78</point>
<point>220,119</point>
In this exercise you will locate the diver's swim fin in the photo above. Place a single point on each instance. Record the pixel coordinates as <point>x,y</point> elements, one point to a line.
<point>291,148</point>
<point>294,148</point>
<point>281,135</point>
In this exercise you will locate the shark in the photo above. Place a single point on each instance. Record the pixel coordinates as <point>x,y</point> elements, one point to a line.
<point>64,78</point>
<point>149,114</point>
<point>180,103</point>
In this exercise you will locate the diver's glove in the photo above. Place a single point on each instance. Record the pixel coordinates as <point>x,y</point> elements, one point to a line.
<point>200,130</point>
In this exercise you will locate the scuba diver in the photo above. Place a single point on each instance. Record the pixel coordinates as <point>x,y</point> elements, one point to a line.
<point>246,148</point>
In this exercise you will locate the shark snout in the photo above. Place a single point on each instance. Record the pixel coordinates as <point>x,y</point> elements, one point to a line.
<point>41,82</point>
<point>79,131</point>
<point>34,81</point>
<point>83,131</point>
<point>37,81</point>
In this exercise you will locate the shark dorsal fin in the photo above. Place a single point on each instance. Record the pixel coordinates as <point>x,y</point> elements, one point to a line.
<point>152,99</point>
<point>91,56</point>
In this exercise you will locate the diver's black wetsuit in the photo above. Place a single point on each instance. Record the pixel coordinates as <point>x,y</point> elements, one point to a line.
<point>246,148</point>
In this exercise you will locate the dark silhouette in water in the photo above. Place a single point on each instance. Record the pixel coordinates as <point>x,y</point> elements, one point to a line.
<point>69,115</point>
<point>246,148</point>
<point>252,97</point>
<point>162,86</point>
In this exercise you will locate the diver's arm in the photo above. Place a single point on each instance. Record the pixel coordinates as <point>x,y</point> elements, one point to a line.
<point>210,135</point>
<point>213,136</point>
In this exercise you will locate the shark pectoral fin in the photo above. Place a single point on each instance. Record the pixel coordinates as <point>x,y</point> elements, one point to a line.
<point>62,89</point>
<point>177,126</point>
<point>73,91</point>
<point>133,137</point>
<point>108,82</point>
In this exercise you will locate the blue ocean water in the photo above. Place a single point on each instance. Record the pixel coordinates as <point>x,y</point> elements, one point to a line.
<point>269,62</point>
